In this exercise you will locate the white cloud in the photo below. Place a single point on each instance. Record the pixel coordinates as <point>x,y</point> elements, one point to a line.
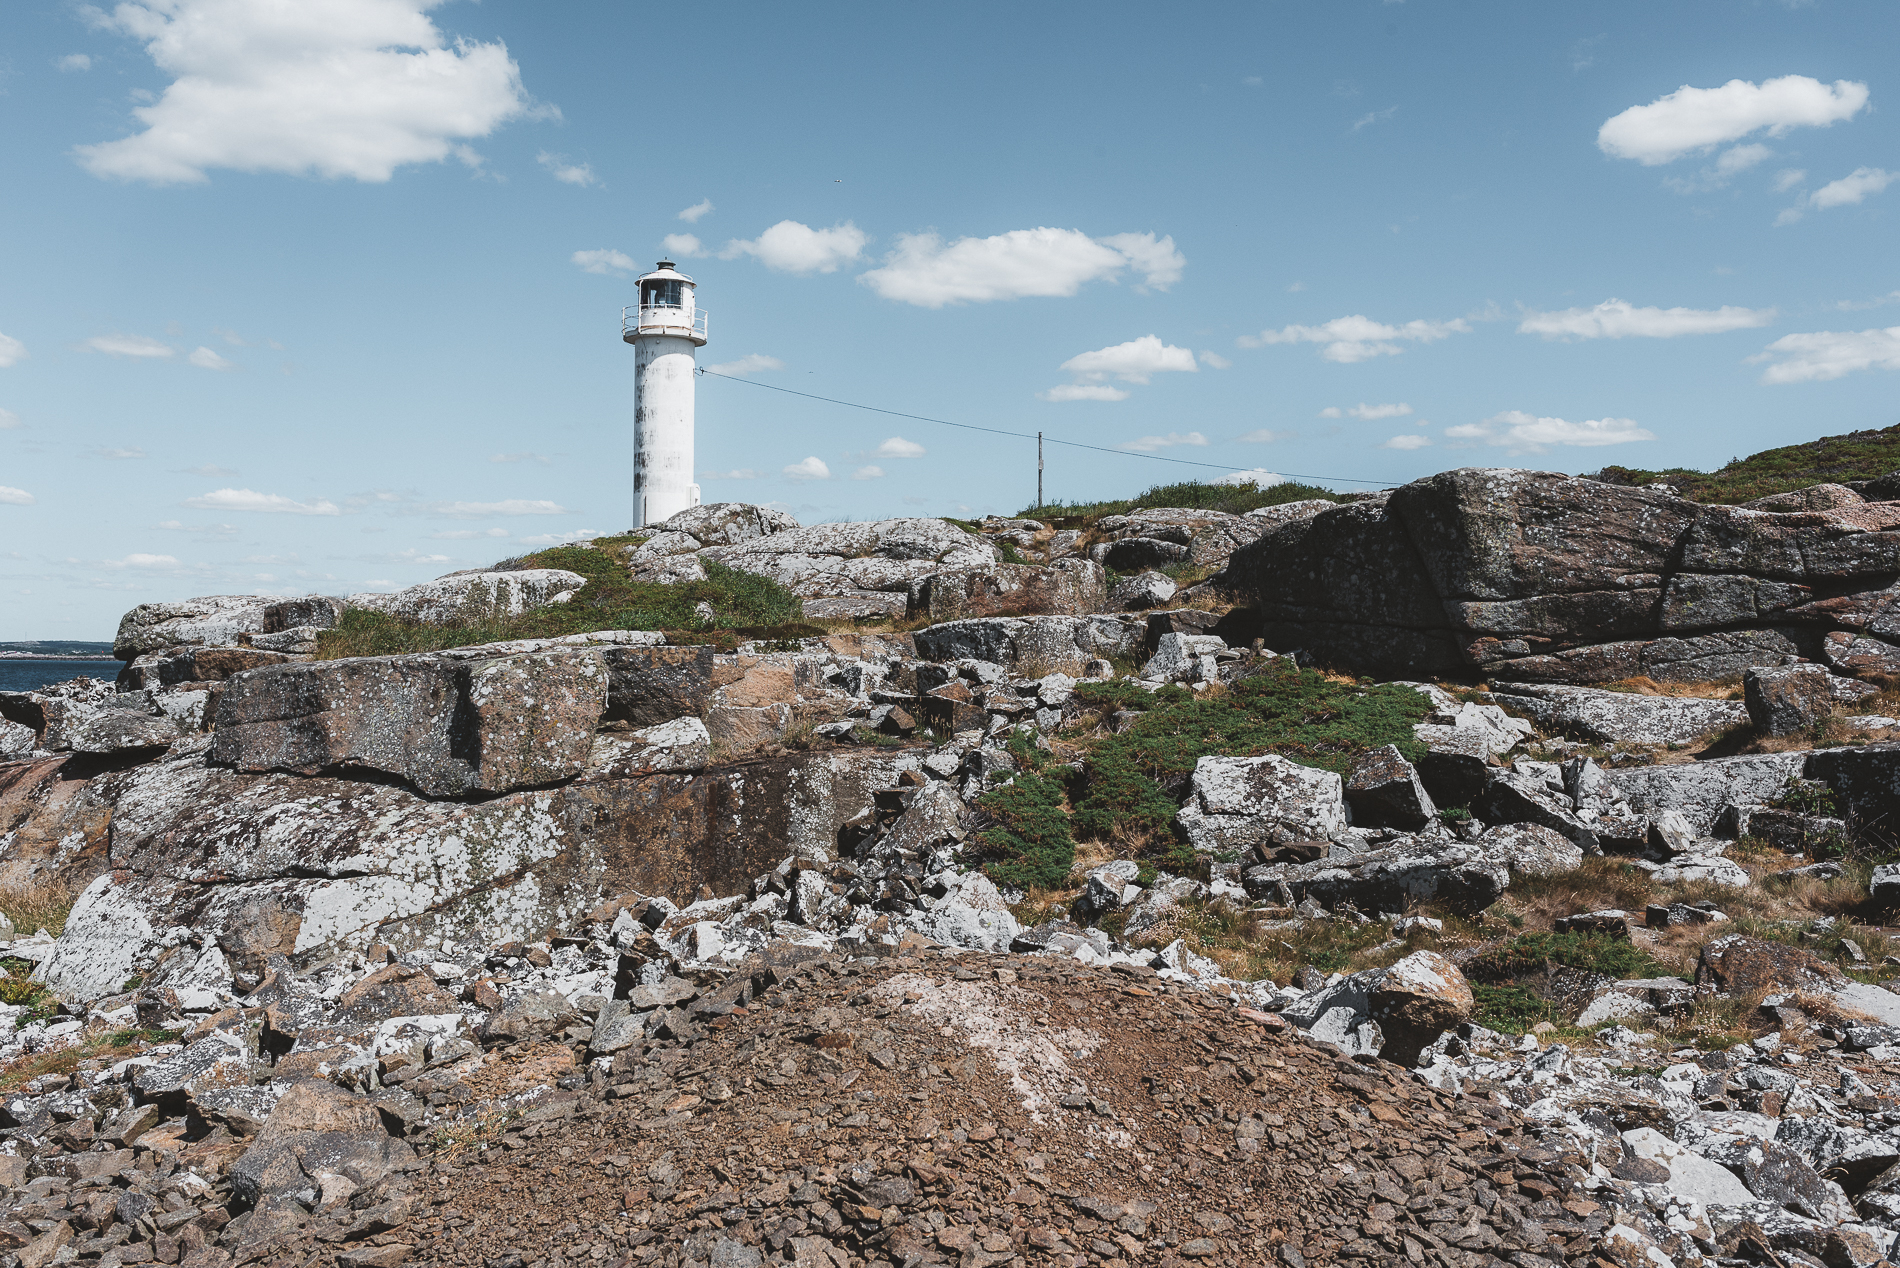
<point>1734,160</point>
<point>751,363</point>
<point>1213,360</point>
<point>1259,476</point>
<point>134,346</point>
<point>1021,263</point>
<point>682,245</point>
<point>791,247</point>
<point>692,214</point>
<point>467,534</point>
<point>1407,442</point>
<point>8,420</point>
<point>119,453</point>
<point>1827,354</point>
<point>1370,413</point>
<point>1788,177</point>
<point>12,351</point>
<point>605,261</point>
<point>1615,319</point>
<point>868,473</point>
<point>205,359</point>
<point>1359,338</point>
<point>1267,436</point>
<point>159,563</point>
<point>209,530</point>
<point>1845,305</point>
<point>1083,392</point>
<point>898,447</point>
<point>74,61</point>
<point>1852,188</point>
<point>808,469</point>
<point>523,456</point>
<point>509,506</point>
<point>1691,119</point>
<point>1519,432</point>
<point>1131,362</point>
<point>743,473</point>
<point>248,500</point>
<point>1376,116</point>
<point>11,496</point>
<point>323,87</point>
<point>567,173</point>
<point>1148,444</point>
<point>1295,288</point>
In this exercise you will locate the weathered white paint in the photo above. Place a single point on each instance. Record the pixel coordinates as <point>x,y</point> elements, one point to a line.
<point>664,336</point>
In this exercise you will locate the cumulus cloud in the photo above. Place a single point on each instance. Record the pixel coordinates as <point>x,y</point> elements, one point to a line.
<point>15,497</point>
<point>1694,119</point>
<point>250,500</point>
<point>205,359</point>
<point>1359,338</point>
<point>1788,177</point>
<point>567,173</point>
<point>1407,442</point>
<point>136,347</point>
<point>1148,444</point>
<point>74,61</point>
<point>1852,188</point>
<point>692,214</point>
<point>1258,476</point>
<point>605,261</point>
<point>333,88</point>
<point>12,351</point>
<point>1213,360</point>
<point>682,245</point>
<point>808,469</point>
<point>791,247</point>
<point>1083,392</point>
<point>751,363</point>
<point>868,473</point>
<point>156,563</point>
<point>1615,319</point>
<point>1370,413</point>
<point>508,506</point>
<point>743,473</point>
<point>1826,354</point>
<point>1131,362</point>
<point>1267,436</point>
<point>1022,263</point>
<point>898,447</point>
<point>1519,432</point>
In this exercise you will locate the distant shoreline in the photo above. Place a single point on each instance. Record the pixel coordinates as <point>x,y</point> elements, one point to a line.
<point>56,656</point>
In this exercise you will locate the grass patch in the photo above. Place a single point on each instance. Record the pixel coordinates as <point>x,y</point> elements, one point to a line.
<point>1531,954</point>
<point>1860,455</point>
<point>743,604</point>
<point>113,1046</point>
<point>1509,1010</point>
<point>1297,713</point>
<point>38,906</point>
<point>1235,499</point>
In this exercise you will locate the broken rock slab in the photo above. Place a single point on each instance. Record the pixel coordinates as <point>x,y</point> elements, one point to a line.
<point>1610,717</point>
<point>1782,701</point>
<point>1239,804</point>
<point>1384,791</point>
<point>475,596</point>
<point>1703,791</point>
<point>1032,646</point>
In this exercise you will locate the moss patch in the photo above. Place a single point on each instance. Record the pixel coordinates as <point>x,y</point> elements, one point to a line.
<point>743,603</point>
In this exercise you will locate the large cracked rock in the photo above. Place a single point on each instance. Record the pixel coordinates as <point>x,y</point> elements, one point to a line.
<point>475,596</point>
<point>1032,646</point>
<point>220,620</point>
<point>1532,576</point>
<point>1160,536</point>
<point>1239,804</point>
<point>1610,717</point>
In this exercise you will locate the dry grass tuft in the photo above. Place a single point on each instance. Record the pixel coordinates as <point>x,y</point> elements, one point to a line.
<point>39,905</point>
<point>1726,688</point>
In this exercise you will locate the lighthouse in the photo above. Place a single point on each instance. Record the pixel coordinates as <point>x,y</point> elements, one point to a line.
<point>664,328</point>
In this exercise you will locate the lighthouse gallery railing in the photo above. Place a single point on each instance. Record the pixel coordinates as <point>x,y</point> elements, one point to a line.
<point>634,319</point>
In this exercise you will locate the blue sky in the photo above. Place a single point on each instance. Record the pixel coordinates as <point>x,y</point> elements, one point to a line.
<point>325,296</point>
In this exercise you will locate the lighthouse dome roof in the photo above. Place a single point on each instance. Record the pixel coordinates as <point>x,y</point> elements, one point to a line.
<point>665,272</point>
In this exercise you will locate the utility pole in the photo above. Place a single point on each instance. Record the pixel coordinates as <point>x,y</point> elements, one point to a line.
<point>1038,471</point>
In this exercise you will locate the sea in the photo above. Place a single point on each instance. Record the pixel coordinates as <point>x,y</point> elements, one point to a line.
<point>24,674</point>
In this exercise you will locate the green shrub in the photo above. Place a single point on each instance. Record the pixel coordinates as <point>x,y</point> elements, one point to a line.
<point>1536,953</point>
<point>1860,455</point>
<point>1283,709</point>
<point>741,601</point>
<point>1030,845</point>
<point>1510,1010</point>
<point>1808,797</point>
<point>1235,499</point>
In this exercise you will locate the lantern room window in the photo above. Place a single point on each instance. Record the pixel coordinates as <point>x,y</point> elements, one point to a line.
<point>661,293</point>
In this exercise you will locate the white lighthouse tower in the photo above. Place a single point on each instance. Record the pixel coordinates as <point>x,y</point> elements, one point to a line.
<point>664,329</point>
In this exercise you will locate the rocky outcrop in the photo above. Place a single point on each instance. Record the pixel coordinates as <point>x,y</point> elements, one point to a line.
<point>1611,717</point>
<point>1032,646</point>
<point>217,621</point>
<point>1165,536</point>
<point>1531,576</point>
<point>475,596</point>
<point>1068,585</point>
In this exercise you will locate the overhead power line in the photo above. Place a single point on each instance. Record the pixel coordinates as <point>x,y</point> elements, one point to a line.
<point>1019,435</point>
